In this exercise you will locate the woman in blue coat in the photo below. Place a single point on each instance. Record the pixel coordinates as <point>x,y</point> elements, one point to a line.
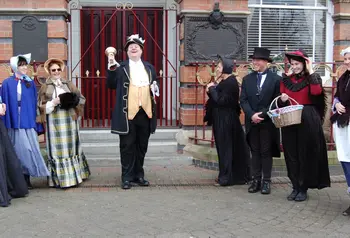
<point>19,94</point>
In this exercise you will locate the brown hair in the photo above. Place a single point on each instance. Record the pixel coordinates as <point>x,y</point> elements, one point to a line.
<point>21,61</point>
<point>54,62</point>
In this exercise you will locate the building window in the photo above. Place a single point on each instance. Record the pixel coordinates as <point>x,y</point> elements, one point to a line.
<point>275,24</point>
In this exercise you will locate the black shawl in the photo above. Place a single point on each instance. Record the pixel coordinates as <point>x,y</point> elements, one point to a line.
<point>319,101</point>
<point>343,95</point>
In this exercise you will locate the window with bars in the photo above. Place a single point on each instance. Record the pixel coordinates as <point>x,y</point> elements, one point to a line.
<point>275,24</point>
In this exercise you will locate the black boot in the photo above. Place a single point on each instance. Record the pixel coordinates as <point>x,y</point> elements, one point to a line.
<point>293,195</point>
<point>302,196</point>
<point>255,187</point>
<point>27,179</point>
<point>346,212</point>
<point>266,187</point>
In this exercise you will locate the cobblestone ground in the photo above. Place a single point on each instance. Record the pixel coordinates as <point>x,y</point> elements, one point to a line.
<point>173,209</point>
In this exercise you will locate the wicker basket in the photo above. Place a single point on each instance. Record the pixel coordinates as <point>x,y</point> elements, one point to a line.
<point>285,116</point>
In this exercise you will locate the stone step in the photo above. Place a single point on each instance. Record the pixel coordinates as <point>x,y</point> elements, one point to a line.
<point>111,149</point>
<point>105,135</point>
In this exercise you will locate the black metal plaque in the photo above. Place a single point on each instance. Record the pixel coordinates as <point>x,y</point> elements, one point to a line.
<point>204,40</point>
<point>30,36</point>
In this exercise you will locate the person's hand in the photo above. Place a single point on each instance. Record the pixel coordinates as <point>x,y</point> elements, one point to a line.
<point>309,66</point>
<point>2,109</point>
<point>284,97</point>
<point>56,101</point>
<point>111,58</point>
<point>209,85</point>
<point>340,108</point>
<point>290,72</point>
<point>256,119</point>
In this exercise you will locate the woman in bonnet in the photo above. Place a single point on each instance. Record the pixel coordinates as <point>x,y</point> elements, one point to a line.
<point>19,94</point>
<point>61,104</point>
<point>222,112</point>
<point>340,120</point>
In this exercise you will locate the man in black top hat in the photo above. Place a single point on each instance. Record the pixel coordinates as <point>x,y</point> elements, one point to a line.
<point>259,88</point>
<point>134,115</point>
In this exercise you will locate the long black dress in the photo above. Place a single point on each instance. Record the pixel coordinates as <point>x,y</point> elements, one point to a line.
<point>304,144</point>
<point>12,183</point>
<point>223,110</point>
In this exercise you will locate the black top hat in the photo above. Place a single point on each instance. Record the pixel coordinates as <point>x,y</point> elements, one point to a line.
<point>134,39</point>
<point>261,53</point>
<point>68,100</point>
<point>227,65</point>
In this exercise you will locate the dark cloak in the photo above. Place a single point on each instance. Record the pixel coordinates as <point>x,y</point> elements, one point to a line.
<point>223,112</point>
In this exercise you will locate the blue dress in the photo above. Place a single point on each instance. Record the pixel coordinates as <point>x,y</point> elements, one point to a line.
<point>20,97</point>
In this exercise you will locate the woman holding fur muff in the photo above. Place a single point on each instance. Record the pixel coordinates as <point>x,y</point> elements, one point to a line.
<point>61,105</point>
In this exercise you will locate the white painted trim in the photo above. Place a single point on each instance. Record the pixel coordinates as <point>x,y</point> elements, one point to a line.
<point>329,40</point>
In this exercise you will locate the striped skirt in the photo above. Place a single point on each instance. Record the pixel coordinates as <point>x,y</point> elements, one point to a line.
<point>66,160</point>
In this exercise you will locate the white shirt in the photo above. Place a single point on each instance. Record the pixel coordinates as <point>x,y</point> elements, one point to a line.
<point>50,106</point>
<point>138,74</point>
<point>263,77</point>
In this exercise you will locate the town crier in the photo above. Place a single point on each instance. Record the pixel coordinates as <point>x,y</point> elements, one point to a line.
<point>134,115</point>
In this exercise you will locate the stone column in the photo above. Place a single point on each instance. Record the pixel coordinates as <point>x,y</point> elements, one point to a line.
<point>201,38</point>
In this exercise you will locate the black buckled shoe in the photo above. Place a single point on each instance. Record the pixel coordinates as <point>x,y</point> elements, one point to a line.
<point>292,196</point>
<point>255,186</point>
<point>141,182</point>
<point>346,212</point>
<point>266,187</point>
<point>126,185</point>
<point>302,196</point>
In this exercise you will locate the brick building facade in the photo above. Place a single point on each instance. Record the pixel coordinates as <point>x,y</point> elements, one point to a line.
<point>334,15</point>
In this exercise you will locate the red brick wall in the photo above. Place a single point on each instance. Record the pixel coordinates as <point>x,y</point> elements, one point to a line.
<point>188,100</point>
<point>225,5</point>
<point>341,27</point>
<point>56,29</point>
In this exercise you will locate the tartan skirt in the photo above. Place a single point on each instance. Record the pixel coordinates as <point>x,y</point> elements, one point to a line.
<point>67,163</point>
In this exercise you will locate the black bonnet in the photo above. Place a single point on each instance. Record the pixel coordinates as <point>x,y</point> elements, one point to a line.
<point>227,65</point>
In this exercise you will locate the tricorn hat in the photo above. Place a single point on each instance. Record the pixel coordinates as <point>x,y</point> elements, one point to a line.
<point>298,55</point>
<point>261,53</point>
<point>53,60</point>
<point>134,39</point>
<point>68,100</point>
<point>227,65</point>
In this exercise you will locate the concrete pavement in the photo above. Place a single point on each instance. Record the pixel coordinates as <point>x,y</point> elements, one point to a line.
<point>182,202</point>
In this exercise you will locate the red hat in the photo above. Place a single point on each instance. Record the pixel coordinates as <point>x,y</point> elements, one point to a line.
<point>298,55</point>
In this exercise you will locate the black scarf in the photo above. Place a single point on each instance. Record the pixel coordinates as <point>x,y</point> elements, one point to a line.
<point>343,95</point>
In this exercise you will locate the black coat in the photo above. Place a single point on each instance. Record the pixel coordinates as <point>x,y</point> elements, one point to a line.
<point>232,149</point>
<point>119,79</point>
<point>252,103</point>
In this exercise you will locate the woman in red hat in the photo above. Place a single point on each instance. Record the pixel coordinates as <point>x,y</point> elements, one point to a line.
<point>304,144</point>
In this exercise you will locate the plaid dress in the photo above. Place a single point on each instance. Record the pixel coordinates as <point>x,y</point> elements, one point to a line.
<point>66,161</point>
